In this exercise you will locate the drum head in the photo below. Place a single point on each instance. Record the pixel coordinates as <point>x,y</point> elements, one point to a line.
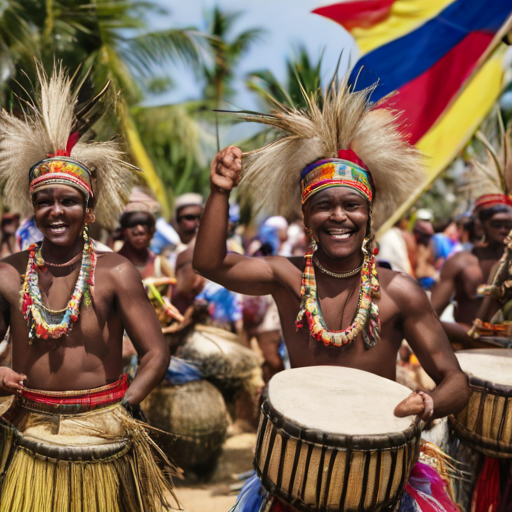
<point>490,364</point>
<point>339,400</point>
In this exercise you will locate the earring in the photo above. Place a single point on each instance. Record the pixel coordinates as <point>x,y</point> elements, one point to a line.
<point>312,241</point>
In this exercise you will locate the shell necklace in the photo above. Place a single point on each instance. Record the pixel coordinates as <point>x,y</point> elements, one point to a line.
<point>366,319</point>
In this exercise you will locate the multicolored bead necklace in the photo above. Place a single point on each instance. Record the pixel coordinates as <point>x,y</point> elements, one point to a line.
<point>366,319</point>
<point>42,321</point>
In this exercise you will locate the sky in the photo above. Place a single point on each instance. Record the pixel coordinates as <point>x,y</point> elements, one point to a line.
<point>288,24</point>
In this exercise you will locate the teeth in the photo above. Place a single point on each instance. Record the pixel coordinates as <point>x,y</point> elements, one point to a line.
<point>340,237</point>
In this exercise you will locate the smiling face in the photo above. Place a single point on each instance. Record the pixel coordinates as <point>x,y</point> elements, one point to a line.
<point>338,218</point>
<point>60,214</point>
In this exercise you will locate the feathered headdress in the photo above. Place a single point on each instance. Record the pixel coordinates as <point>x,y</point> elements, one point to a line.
<point>491,181</point>
<point>45,145</point>
<point>345,127</point>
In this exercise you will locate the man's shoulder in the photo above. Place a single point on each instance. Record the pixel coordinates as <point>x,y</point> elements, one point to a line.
<point>401,287</point>
<point>15,264</point>
<point>458,262</point>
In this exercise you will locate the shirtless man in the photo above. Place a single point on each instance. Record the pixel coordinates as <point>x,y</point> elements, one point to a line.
<point>405,311</point>
<point>67,333</point>
<point>465,271</point>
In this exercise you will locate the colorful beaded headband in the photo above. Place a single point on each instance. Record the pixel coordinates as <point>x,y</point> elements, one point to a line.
<point>491,199</point>
<point>346,171</point>
<point>60,170</point>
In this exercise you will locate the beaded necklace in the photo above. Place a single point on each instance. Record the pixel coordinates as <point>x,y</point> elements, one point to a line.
<point>42,321</point>
<point>367,314</point>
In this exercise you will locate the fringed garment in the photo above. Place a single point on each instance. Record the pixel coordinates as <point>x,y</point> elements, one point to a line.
<point>79,451</point>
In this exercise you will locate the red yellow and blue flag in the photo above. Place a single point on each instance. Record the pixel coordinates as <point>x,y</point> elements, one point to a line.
<point>442,57</point>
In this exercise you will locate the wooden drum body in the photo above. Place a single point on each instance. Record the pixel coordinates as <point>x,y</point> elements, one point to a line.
<point>485,424</point>
<point>328,440</point>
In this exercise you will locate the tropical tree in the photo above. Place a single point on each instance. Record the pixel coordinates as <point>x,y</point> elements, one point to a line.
<point>109,37</point>
<point>226,50</point>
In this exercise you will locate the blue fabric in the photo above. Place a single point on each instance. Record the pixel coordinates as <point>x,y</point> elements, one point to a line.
<point>223,305</point>
<point>181,371</point>
<point>251,496</point>
<point>442,245</point>
<point>426,282</point>
<point>397,62</point>
<point>268,235</point>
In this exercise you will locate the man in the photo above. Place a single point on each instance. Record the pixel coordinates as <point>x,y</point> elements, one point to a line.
<point>346,157</point>
<point>138,227</point>
<point>465,271</point>
<point>70,442</point>
<point>188,209</point>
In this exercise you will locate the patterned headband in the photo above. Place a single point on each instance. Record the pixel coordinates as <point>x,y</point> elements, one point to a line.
<point>60,170</point>
<point>491,199</point>
<point>346,171</point>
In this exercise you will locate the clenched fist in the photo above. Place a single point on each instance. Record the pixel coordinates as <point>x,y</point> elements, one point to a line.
<point>10,380</point>
<point>421,404</point>
<point>225,169</point>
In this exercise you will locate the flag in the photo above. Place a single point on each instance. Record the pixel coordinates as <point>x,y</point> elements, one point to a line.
<point>442,57</point>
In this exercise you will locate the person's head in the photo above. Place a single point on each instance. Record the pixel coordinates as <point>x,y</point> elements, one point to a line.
<point>336,198</point>
<point>138,227</point>
<point>9,223</point>
<point>423,231</point>
<point>188,210</point>
<point>62,197</point>
<point>494,211</point>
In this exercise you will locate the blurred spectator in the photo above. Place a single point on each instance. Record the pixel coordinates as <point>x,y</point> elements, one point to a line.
<point>28,233</point>
<point>271,236</point>
<point>426,274</point>
<point>138,227</point>
<point>444,242</point>
<point>393,250</point>
<point>8,226</point>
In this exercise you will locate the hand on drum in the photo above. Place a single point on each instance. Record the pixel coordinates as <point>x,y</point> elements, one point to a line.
<point>225,169</point>
<point>10,380</point>
<point>420,404</point>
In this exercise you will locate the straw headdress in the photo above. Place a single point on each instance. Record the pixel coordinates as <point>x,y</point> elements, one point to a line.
<point>346,120</point>
<point>493,176</point>
<point>50,126</point>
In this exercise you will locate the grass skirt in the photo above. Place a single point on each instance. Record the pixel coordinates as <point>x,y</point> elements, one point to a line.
<point>101,460</point>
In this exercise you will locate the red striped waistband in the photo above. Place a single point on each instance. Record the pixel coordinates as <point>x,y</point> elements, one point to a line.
<point>74,402</point>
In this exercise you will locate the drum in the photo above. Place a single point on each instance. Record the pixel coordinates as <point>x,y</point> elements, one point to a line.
<point>328,440</point>
<point>196,416</point>
<point>220,356</point>
<point>486,422</point>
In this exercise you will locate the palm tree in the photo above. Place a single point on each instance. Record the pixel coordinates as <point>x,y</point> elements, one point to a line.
<point>302,75</point>
<point>107,36</point>
<point>226,52</point>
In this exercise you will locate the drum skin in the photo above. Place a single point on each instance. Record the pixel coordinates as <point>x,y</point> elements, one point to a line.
<point>194,412</point>
<point>485,424</point>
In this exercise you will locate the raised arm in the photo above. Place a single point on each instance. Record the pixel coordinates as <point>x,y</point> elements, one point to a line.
<point>251,276</point>
<point>426,336</point>
<point>143,328</point>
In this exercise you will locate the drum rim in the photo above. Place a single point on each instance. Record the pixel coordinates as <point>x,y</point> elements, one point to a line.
<point>351,442</point>
<point>485,445</point>
<point>490,387</point>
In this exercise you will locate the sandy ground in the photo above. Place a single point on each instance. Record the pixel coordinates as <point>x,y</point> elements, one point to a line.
<point>214,496</point>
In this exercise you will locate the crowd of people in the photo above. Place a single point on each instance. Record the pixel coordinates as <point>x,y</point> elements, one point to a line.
<point>110,287</point>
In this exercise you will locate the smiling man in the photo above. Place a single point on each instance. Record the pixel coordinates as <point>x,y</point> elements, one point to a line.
<point>69,439</point>
<point>348,165</point>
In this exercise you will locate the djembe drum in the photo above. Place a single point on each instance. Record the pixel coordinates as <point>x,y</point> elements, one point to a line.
<point>485,424</point>
<point>328,440</point>
<point>220,356</point>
